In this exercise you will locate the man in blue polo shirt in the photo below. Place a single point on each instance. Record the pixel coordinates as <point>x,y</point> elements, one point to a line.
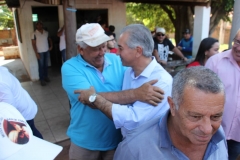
<point>186,44</point>
<point>93,136</point>
<point>189,130</point>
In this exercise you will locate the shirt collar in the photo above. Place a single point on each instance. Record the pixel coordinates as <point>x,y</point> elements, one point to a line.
<point>147,71</point>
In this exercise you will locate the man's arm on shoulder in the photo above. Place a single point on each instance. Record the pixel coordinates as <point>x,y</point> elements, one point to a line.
<point>130,116</point>
<point>146,93</point>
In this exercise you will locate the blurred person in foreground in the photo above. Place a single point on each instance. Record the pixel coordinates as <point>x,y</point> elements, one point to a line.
<point>227,66</point>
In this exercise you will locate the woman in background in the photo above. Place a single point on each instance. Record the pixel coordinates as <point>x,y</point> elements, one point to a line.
<point>208,47</point>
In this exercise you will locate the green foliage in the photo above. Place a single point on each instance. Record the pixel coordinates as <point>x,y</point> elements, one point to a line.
<point>6,18</point>
<point>151,15</point>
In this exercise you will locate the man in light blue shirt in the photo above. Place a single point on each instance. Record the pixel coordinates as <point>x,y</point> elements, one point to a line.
<point>190,129</point>
<point>135,49</point>
<point>94,136</point>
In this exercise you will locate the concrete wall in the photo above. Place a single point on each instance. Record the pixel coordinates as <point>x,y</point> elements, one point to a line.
<point>116,15</point>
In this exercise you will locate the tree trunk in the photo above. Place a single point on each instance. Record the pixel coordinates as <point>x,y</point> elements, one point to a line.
<point>183,19</point>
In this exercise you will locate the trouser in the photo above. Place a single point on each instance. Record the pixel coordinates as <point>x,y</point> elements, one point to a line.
<point>79,153</point>
<point>43,65</point>
<point>34,129</point>
<point>63,52</point>
<point>233,149</point>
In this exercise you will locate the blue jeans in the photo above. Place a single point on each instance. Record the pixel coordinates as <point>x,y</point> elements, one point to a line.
<point>34,129</point>
<point>233,149</point>
<point>63,52</point>
<point>43,65</point>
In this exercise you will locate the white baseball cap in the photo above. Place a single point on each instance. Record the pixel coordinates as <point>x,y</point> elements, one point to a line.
<point>92,34</point>
<point>161,30</point>
<point>17,140</point>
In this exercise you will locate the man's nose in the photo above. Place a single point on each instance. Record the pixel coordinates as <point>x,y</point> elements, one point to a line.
<point>206,126</point>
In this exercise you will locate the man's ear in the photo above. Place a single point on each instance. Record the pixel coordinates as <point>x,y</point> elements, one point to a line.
<point>80,50</point>
<point>172,106</point>
<point>139,51</point>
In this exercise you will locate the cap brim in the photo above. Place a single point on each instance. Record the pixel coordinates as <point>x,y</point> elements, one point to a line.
<point>37,149</point>
<point>97,41</point>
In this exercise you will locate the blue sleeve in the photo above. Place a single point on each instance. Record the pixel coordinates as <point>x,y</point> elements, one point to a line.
<point>180,43</point>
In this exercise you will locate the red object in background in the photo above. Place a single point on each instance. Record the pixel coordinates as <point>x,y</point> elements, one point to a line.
<point>114,50</point>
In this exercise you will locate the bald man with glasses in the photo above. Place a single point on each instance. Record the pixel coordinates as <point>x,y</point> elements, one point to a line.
<point>162,46</point>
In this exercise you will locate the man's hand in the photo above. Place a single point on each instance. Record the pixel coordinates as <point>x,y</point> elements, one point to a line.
<point>84,96</point>
<point>38,55</point>
<point>185,59</point>
<point>149,94</point>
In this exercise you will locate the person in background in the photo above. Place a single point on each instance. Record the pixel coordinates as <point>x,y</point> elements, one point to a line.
<point>111,43</point>
<point>227,66</point>
<point>103,24</point>
<point>40,43</point>
<point>93,135</point>
<point>111,29</point>
<point>208,47</point>
<point>12,92</point>
<point>189,130</point>
<point>62,43</point>
<point>162,46</point>
<point>186,44</point>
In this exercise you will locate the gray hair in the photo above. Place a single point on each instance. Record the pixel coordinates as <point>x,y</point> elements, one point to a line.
<point>82,44</point>
<point>199,77</point>
<point>139,35</point>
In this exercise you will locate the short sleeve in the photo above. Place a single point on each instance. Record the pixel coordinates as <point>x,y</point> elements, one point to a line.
<point>169,43</point>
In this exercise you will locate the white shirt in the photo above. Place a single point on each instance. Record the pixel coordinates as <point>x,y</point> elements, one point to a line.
<point>41,41</point>
<point>12,92</point>
<point>62,43</point>
<point>128,117</point>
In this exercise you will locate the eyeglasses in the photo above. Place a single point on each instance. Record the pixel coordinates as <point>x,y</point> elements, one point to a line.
<point>236,42</point>
<point>159,34</point>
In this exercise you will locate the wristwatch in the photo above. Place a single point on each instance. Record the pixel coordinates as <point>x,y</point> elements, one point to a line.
<point>92,98</point>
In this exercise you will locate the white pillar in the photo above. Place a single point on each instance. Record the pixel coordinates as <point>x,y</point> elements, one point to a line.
<point>235,21</point>
<point>201,26</point>
<point>60,15</point>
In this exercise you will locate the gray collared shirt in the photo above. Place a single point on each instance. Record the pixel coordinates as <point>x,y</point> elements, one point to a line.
<point>151,141</point>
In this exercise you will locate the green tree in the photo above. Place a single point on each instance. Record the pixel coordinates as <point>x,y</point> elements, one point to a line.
<point>182,16</point>
<point>151,15</point>
<point>176,18</point>
<point>6,17</point>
